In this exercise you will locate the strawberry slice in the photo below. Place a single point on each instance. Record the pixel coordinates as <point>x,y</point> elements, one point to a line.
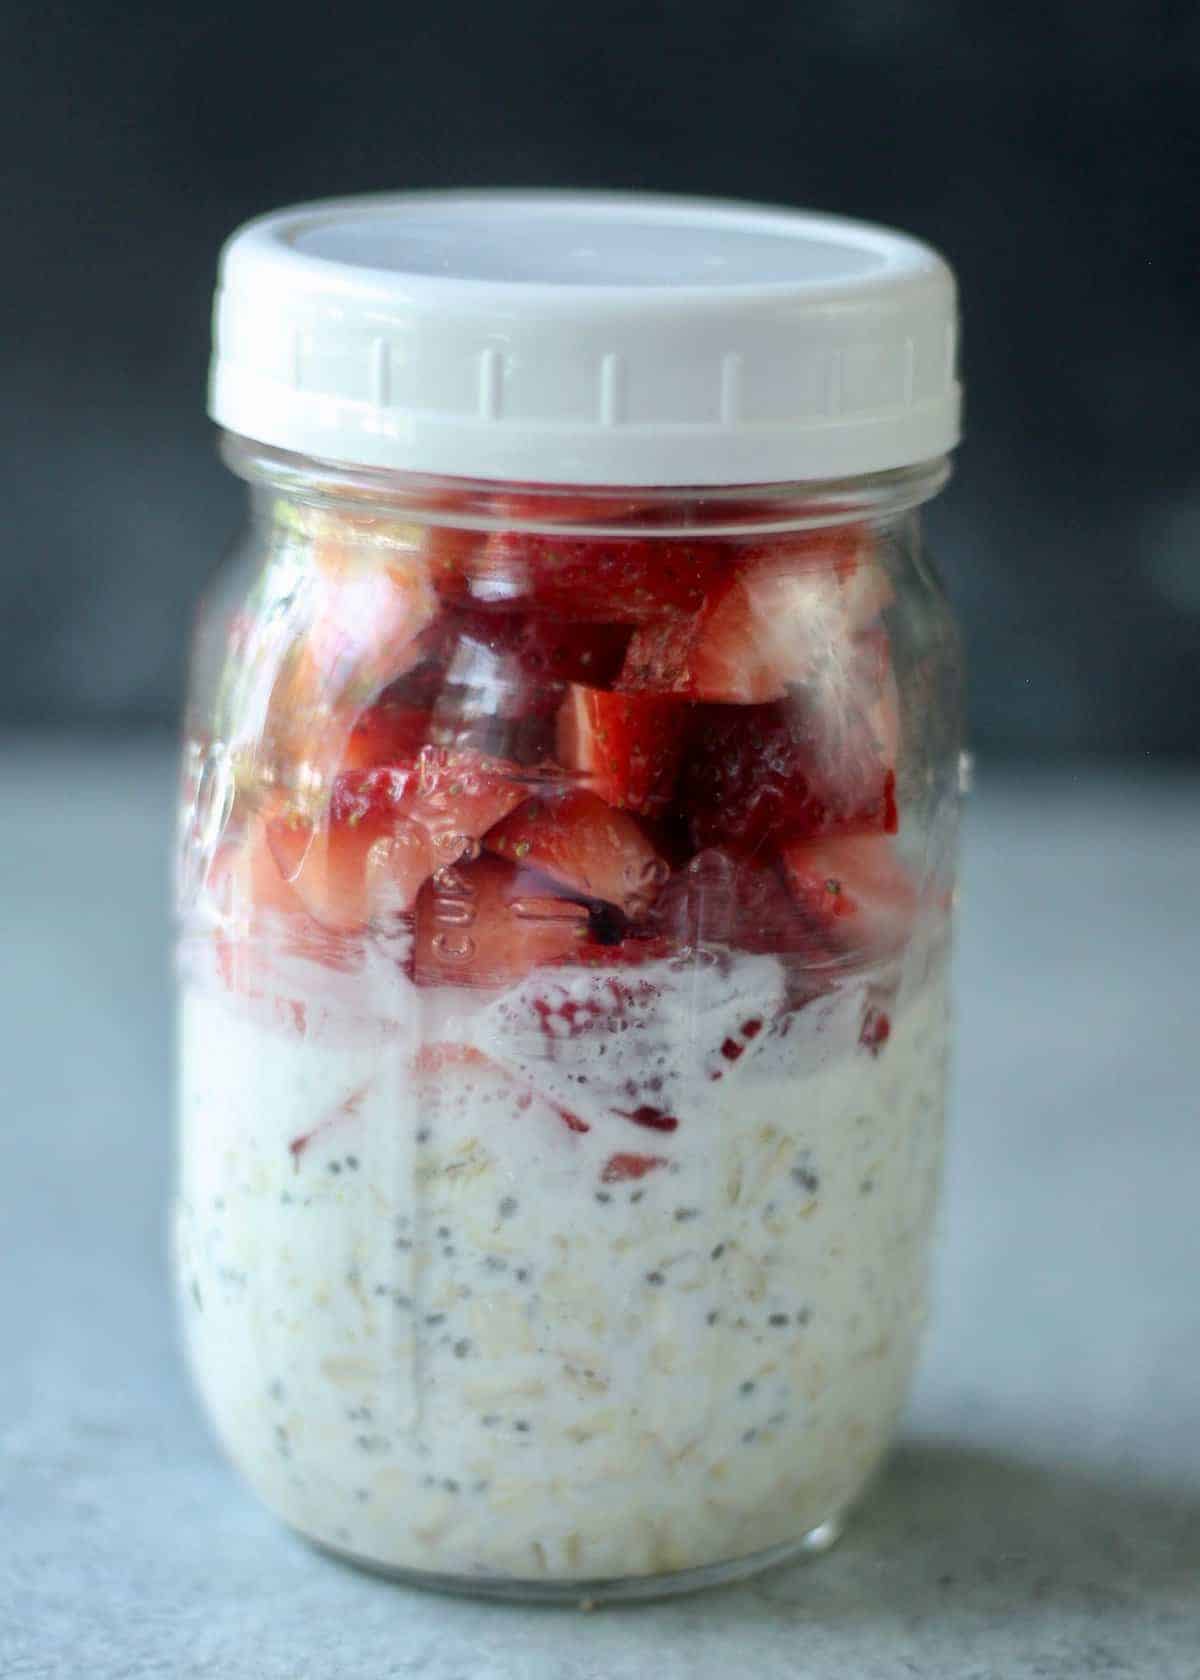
<point>780,619</point>
<point>387,830</point>
<point>854,891</point>
<point>758,775</point>
<point>488,923</point>
<point>577,839</point>
<point>629,580</point>
<point>623,1167</point>
<point>355,866</point>
<point>627,746</point>
<point>720,899</point>
<point>259,918</point>
<point>389,732</point>
<point>502,678</point>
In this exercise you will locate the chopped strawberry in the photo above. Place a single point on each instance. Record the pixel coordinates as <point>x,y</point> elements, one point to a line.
<point>386,733</point>
<point>755,776</point>
<point>855,892</point>
<point>445,1054</point>
<point>547,650</point>
<point>369,609</point>
<point>351,868</point>
<point>577,839</point>
<point>259,918</point>
<point>719,899</point>
<point>387,830</point>
<point>622,579</point>
<point>627,746</point>
<point>778,620</point>
<point>622,1168</point>
<point>487,923</point>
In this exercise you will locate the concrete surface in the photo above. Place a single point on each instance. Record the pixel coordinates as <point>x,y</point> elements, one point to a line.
<point>1042,1515</point>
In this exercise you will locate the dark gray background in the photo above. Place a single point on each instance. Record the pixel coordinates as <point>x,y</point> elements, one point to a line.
<point>1051,150</point>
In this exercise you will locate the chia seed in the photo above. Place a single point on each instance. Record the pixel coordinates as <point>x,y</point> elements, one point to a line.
<point>778,1320</point>
<point>508,1206</point>
<point>352,1162</point>
<point>422,1134</point>
<point>636,1195</point>
<point>655,1278</point>
<point>335,1166</point>
<point>603,1196</point>
<point>866,1187</point>
<point>717,1252</point>
<point>522,1426</point>
<point>746,1388</point>
<point>749,1435</point>
<point>443,1231</point>
<point>435,1318</point>
<point>806,1179</point>
<point>521,1274</point>
<point>403,1244</point>
<point>489,1420</point>
<point>450,1485</point>
<point>462,1348</point>
<point>682,1214</point>
<point>494,1263</point>
<point>711,1317</point>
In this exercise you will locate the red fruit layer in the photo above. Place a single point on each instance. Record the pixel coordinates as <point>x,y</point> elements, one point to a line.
<point>854,891</point>
<point>487,923</point>
<point>627,746</point>
<point>772,622</point>
<point>723,900</point>
<point>756,776</point>
<point>593,850</point>
<point>629,580</point>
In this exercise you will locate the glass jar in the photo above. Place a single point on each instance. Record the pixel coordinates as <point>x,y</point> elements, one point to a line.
<point>565,883</point>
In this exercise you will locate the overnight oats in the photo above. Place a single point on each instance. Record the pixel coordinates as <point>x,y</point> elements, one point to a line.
<point>565,884</point>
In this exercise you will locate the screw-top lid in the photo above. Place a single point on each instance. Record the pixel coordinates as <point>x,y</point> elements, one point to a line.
<point>585,338</point>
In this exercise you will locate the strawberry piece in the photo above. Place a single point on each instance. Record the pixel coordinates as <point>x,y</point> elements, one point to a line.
<point>354,866</point>
<point>388,732</point>
<point>758,775</point>
<point>259,919</point>
<point>502,678</point>
<point>720,899</point>
<point>854,891</point>
<point>779,620</point>
<point>577,839</point>
<point>387,830</point>
<point>629,580</point>
<point>622,1168</point>
<point>487,923</point>
<point>628,746</point>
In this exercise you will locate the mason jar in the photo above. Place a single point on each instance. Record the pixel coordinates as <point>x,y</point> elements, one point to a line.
<point>566,872</point>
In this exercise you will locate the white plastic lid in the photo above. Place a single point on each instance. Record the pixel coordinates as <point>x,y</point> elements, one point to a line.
<point>584,338</point>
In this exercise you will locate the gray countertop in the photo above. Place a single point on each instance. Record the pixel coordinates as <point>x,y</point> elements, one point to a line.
<point>1041,1516</point>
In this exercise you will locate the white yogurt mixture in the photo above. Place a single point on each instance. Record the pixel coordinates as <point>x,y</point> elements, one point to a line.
<point>442,1325</point>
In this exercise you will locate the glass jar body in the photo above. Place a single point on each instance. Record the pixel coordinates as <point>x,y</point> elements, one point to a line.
<point>565,882</point>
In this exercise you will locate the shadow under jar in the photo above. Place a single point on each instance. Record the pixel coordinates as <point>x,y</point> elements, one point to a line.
<point>565,879</point>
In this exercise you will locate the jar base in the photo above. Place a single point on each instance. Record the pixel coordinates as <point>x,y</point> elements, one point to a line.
<point>587,1595</point>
